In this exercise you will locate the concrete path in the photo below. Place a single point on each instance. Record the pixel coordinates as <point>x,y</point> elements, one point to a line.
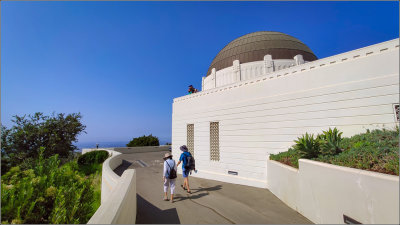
<point>211,202</point>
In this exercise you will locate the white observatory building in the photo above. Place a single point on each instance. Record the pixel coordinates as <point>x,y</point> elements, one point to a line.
<point>265,89</point>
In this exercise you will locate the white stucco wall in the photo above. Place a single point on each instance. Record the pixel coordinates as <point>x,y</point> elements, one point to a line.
<point>352,91</point>
<point>121,206</point>
<point>324,193</point>
<point>283,181</point>
<point>109,180</point>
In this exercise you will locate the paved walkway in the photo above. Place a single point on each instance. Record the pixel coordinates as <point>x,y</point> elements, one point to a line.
<point>211,202</point>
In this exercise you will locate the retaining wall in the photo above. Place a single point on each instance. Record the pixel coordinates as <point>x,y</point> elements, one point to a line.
<point>120,207</point>
<point>324,193</point>
<point>118,194</point>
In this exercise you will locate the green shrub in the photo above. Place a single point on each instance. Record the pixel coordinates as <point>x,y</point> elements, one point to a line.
<point>330,142</point>
<point>291,157</point>
<point>307,146</point>
<point>376,150</point>
<point>48,193</point>
<point>144,141</point>
<point>93,157</point>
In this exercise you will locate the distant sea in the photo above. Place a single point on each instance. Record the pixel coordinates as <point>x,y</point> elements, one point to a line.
<point>107,144</point>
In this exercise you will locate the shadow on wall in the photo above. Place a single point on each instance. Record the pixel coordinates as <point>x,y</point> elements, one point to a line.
<point>148,213</point>
<point>121,168</point>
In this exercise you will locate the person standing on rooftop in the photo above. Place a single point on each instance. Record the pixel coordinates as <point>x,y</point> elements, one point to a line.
<point>191,89</point>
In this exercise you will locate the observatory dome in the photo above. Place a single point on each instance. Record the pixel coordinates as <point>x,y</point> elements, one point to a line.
<point>254,46</point>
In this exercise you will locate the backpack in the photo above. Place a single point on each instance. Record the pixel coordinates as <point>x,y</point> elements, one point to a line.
<point>172,172</point>
<point>190,165</point>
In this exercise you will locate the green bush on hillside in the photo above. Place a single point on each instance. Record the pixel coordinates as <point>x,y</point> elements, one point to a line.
<point>144,141</point>
<point>93,157</point>
<point>49,193</point>
<point>375,150</point>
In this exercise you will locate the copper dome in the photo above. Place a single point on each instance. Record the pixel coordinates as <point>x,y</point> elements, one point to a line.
<point>254,46</point>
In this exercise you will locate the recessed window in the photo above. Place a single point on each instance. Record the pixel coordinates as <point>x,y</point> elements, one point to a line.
<point>214,141</point>
<point>190,138</point>
<point>396,111</point>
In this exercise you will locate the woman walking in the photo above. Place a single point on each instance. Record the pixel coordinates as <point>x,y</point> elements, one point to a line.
<point>169,176</point>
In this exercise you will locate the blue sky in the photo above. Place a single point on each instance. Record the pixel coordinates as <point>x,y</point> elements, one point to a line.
<point>121,63</point>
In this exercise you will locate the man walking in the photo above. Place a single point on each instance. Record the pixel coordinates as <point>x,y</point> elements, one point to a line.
<point>185,170</point>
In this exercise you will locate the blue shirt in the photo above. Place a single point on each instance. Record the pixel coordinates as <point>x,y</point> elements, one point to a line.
<point>183,158</point>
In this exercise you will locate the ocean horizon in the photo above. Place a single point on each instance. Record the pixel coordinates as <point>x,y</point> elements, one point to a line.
<point>106,144</point>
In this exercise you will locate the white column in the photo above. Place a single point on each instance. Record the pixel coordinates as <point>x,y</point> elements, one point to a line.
<point>298,59</point>
<point>268,64</point>
<point>236,70</point>
<point>214,77</point>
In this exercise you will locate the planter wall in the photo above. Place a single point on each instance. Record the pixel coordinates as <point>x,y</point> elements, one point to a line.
<point>324,193</point>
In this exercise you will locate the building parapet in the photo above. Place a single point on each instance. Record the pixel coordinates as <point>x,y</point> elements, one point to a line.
<point>368,51</point>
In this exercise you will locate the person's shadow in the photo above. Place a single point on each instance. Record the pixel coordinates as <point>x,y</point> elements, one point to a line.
<point>207,189</point>
<point>193,196</point>
<point>179,198</point>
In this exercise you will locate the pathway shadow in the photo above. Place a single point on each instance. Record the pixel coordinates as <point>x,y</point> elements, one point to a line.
<point>148,213</point>
<point>121,168</point>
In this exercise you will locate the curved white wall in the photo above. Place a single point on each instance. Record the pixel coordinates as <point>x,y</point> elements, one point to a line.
<point>352,91</point>
<point>118,194</point>
<point>120,205</point>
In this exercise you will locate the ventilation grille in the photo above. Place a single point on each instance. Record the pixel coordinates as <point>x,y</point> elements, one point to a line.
<point>190,138</point>
<point>214,141</point>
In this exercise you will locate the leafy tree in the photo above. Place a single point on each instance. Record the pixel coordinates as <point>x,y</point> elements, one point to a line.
<point>144,141</point>
<point>56,133</point>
